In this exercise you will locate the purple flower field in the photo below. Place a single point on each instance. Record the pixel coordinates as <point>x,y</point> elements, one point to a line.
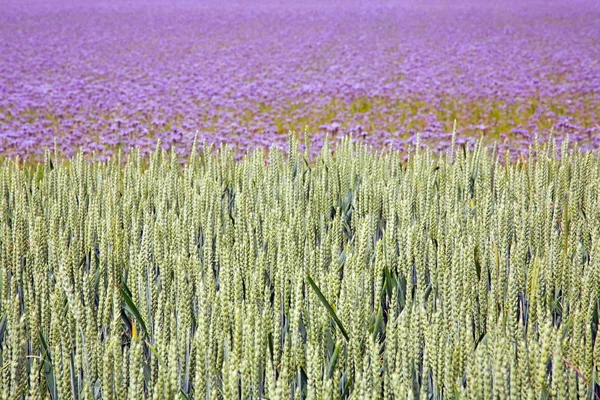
<point>110,74</point>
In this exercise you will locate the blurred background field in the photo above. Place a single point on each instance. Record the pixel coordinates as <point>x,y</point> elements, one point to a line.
<point>111,74</point>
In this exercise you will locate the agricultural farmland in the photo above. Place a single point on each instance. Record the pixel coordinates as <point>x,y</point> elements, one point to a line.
<point>108,75</point>
<point>360,276</point>
<point>266,200</point>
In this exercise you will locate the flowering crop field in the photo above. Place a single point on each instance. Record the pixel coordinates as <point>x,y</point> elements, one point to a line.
<point>110,74</point>
<point>361,276</point>
<point>273,200</point>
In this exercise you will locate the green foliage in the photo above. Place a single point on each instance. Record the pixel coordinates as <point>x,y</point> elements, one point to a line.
<point>327,306</point>
<point>355,276</point>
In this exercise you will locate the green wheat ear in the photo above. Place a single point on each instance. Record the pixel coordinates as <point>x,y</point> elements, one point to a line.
<point>457,276</point>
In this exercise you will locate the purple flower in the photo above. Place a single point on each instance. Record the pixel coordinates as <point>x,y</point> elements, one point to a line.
<point>236,73</point>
